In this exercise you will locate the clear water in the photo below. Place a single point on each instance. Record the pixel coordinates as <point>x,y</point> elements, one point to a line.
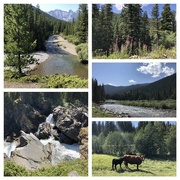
<point>60,62</point>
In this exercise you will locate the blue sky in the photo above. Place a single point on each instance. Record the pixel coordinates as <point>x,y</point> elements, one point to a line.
<point>65,7</point>
<point>125,74</point>
<point>145,7</point>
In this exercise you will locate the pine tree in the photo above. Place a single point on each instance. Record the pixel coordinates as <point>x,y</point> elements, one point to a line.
<point>96,26</point>
<point>107,27</point>
<point>145,35</point>
<point>131,18</point>
<point>166,18</point>
<point>82,25</point>
<point>18,39</point>
<point>156,22</point>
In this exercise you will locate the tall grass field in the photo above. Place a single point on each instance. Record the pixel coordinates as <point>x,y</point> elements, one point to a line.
<point>102,166</point>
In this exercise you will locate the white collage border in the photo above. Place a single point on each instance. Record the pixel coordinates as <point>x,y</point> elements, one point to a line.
<point>89,2</point>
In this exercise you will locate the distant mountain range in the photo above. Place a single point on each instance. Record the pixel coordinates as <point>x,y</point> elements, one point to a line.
<point>159,85</point>
<point>64,15</point>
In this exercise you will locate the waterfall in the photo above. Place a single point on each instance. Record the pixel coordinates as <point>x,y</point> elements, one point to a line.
<point>50,120</point>
<point>9,147</point>
<point>62,151</point>
<point>59,151</point>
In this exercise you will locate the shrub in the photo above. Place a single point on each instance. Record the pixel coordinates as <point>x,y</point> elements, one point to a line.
<point>66,81</point>
<point>82,51</point>
<point>11,169</point>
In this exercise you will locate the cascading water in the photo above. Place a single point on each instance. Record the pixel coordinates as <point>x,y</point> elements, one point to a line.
<point>9,147</point>
<point>50,120</point>
<point>59,151</point>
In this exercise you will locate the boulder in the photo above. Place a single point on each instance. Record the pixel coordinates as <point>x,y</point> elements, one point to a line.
<point>69,122</point>
<point>34,154</point>
<point>44,131</point>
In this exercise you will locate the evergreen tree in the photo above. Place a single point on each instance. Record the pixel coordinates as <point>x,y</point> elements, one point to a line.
<point>18,39</point>
<point>166,18</point>
<point>156,22</point>
<point>96,27</point>
<point>108,28</point>
<point>131,19</point>
<point>82,23</point>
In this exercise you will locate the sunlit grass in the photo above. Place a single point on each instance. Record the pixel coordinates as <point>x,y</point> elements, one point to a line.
<point>102,166</point>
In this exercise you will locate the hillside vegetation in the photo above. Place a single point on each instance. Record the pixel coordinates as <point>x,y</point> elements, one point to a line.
<point>62,169</point>
<point>132,34</point>
<point>161,90</point>
<point>26,29</point>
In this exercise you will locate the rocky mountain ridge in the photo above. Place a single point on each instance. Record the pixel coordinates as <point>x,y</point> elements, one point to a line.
<point>64,15</point>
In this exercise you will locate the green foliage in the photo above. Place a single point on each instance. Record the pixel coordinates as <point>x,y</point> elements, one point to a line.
<point>56,81</point>
<point>82,24</point>
<point>62,169</point>
<point>155,139</point>
<point>157,104</point>
<point>71,38</point>
<point>98,92</point>
<point>102,166</point>
<point>11,169</point>
<point>162,53</point>
<point>133,33</point>
<point>82,51</point>
<point>96,112</point>
<point>66,81</point>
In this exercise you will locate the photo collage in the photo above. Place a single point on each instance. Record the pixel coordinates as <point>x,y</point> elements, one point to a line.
<point>89,89</point>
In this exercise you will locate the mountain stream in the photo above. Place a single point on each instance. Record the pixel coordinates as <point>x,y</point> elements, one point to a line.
<point>60,151</point>
<point>134,111</point>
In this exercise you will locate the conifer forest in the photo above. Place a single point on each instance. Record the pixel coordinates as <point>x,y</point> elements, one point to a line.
<point>132,33</point>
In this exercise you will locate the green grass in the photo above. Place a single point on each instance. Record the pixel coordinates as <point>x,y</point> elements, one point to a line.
<point>102,166</point>
<point>157,104</point>
<point>96,112</point>
<point>158,53</point>
<point>55,81</point>
<point>62,169</point>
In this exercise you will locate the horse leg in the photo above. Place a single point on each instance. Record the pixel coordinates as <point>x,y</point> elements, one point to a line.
<point>137,166</point>
<point>115,167</point>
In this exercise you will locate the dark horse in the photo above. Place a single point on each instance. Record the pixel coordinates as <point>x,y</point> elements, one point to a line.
<point>115,162</point>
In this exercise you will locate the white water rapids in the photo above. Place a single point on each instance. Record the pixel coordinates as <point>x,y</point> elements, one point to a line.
<point>60,151</point>
<point>9,147</point>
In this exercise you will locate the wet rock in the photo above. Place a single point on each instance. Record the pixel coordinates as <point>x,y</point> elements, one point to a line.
<point>70,121</point>
<point>83,148</point>
<point>44,131</point>
<point>33,155</point>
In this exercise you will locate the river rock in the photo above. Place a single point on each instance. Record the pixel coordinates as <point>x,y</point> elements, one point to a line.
<point>33,155</point>
<point>83,148</point>
<point>44,131</point>
<point>70,121</point>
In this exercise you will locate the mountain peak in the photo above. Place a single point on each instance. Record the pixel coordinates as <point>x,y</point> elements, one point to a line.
<point>64,15</point>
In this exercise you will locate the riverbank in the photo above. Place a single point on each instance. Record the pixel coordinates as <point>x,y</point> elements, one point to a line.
<point>65,45</point>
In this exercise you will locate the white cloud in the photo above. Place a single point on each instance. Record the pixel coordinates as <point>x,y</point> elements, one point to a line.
<point>144,5</point>
<point>112,84</point>
<point>156,69</point>
<point>168,71</point>
<point>132,81</point>
<point>119,6</point>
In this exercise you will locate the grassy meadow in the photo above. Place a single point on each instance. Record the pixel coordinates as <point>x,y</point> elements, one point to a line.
<point>102,166</point>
